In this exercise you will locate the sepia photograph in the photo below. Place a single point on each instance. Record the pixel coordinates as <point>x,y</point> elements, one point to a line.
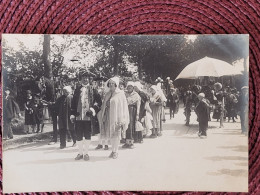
<point>125,112</point>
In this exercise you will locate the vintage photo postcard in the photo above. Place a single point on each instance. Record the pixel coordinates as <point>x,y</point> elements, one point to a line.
<point>127,113</point>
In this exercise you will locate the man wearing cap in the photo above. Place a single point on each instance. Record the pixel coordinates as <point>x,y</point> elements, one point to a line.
<point>243,109</point>
<point>86,104</point>
<point>202,111</point>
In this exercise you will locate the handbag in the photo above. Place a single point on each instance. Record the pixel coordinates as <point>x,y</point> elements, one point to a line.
<point>139,126</point>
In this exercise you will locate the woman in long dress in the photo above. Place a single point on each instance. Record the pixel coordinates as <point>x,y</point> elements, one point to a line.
<point>156,103</point>
<point>114,115</point>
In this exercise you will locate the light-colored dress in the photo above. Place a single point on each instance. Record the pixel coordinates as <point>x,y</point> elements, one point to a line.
<point>114,115</point>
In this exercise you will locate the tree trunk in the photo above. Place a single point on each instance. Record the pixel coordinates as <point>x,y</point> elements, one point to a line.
<point>116,55</point>
<point>46,57</point>
<point>245,72</point>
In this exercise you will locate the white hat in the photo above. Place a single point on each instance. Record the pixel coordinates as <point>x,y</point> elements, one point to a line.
<point>68,89</point>
<point>201,95</point>
<point>138,85</point>
<point>130,83</point>
<point>116,80</point>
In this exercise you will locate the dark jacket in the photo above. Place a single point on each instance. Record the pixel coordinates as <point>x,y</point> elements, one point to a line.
<point>63,105</point>
<point>202,110</point>
<point>144,99</point>
<point>95,102</point>
<point>10,108</point>
<point>172,99</point>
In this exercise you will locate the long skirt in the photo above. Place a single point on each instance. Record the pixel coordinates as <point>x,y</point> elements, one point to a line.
<point>156,114</point>
<point>29,118</point>
<point>132,121</point>
<point>105,126</point>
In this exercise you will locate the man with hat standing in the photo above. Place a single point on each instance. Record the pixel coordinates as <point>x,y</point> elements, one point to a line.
<point>86,103</point>
<point>202,111</point>
<point>10,110</point>
<point>243,109</point>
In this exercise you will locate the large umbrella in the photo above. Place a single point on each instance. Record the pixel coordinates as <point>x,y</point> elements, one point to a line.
<point>207,67</point>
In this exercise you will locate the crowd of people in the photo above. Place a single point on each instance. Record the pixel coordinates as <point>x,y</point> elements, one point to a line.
<point>121,112</point>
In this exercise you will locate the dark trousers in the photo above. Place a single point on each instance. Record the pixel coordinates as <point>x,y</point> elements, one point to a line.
<point>132,121</point>
<point>138,136</point>
<point>83,129</point>
<point>244,121</point>
<point>40,126</point>
<point>203,126</point>
<point>54,126</point>
<point>7,130</point>
<point>63,133</point>
<point>63,136</point>
<point>172,111</point>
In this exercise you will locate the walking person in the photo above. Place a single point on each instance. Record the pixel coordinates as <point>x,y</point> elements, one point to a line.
<point>85,105</point>
<point>188,105</point>
<point>29,113</point>
<point>134,102</point>
<point>114,115</point>
<point>63,104</point>
<point>202,110</point>
<point>144,98</point>
<point>231,102</point>
<point>10,111</point>
<point>38,109</point>
<point>173,100</point>
<point>156,103</point>
<point>243,109</point>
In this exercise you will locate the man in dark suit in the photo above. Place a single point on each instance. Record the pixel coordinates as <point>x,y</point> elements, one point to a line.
<point>172,99</point>
<point>10,110</point>
<point>202,111</point>
<point>86,103</point>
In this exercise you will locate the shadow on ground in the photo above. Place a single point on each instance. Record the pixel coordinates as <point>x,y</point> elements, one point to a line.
<point>67,160</point>
<point>233,173</point>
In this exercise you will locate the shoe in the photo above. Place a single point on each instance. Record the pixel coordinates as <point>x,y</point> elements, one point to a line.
<point>111,155</point>
<point>153,136</point>
<point>131,146</point>
<point>106,147</point>
<point>79,157</point>
<point>52,142</point>
<point>159,134</point>
<point>69,140</point>
<point>62,147</point>
<point>115,155</point>
<point>74,144</point>
<point>86,157</point>
<point>122,141</point>
<point>99,147</point>
<point>125,145</point>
